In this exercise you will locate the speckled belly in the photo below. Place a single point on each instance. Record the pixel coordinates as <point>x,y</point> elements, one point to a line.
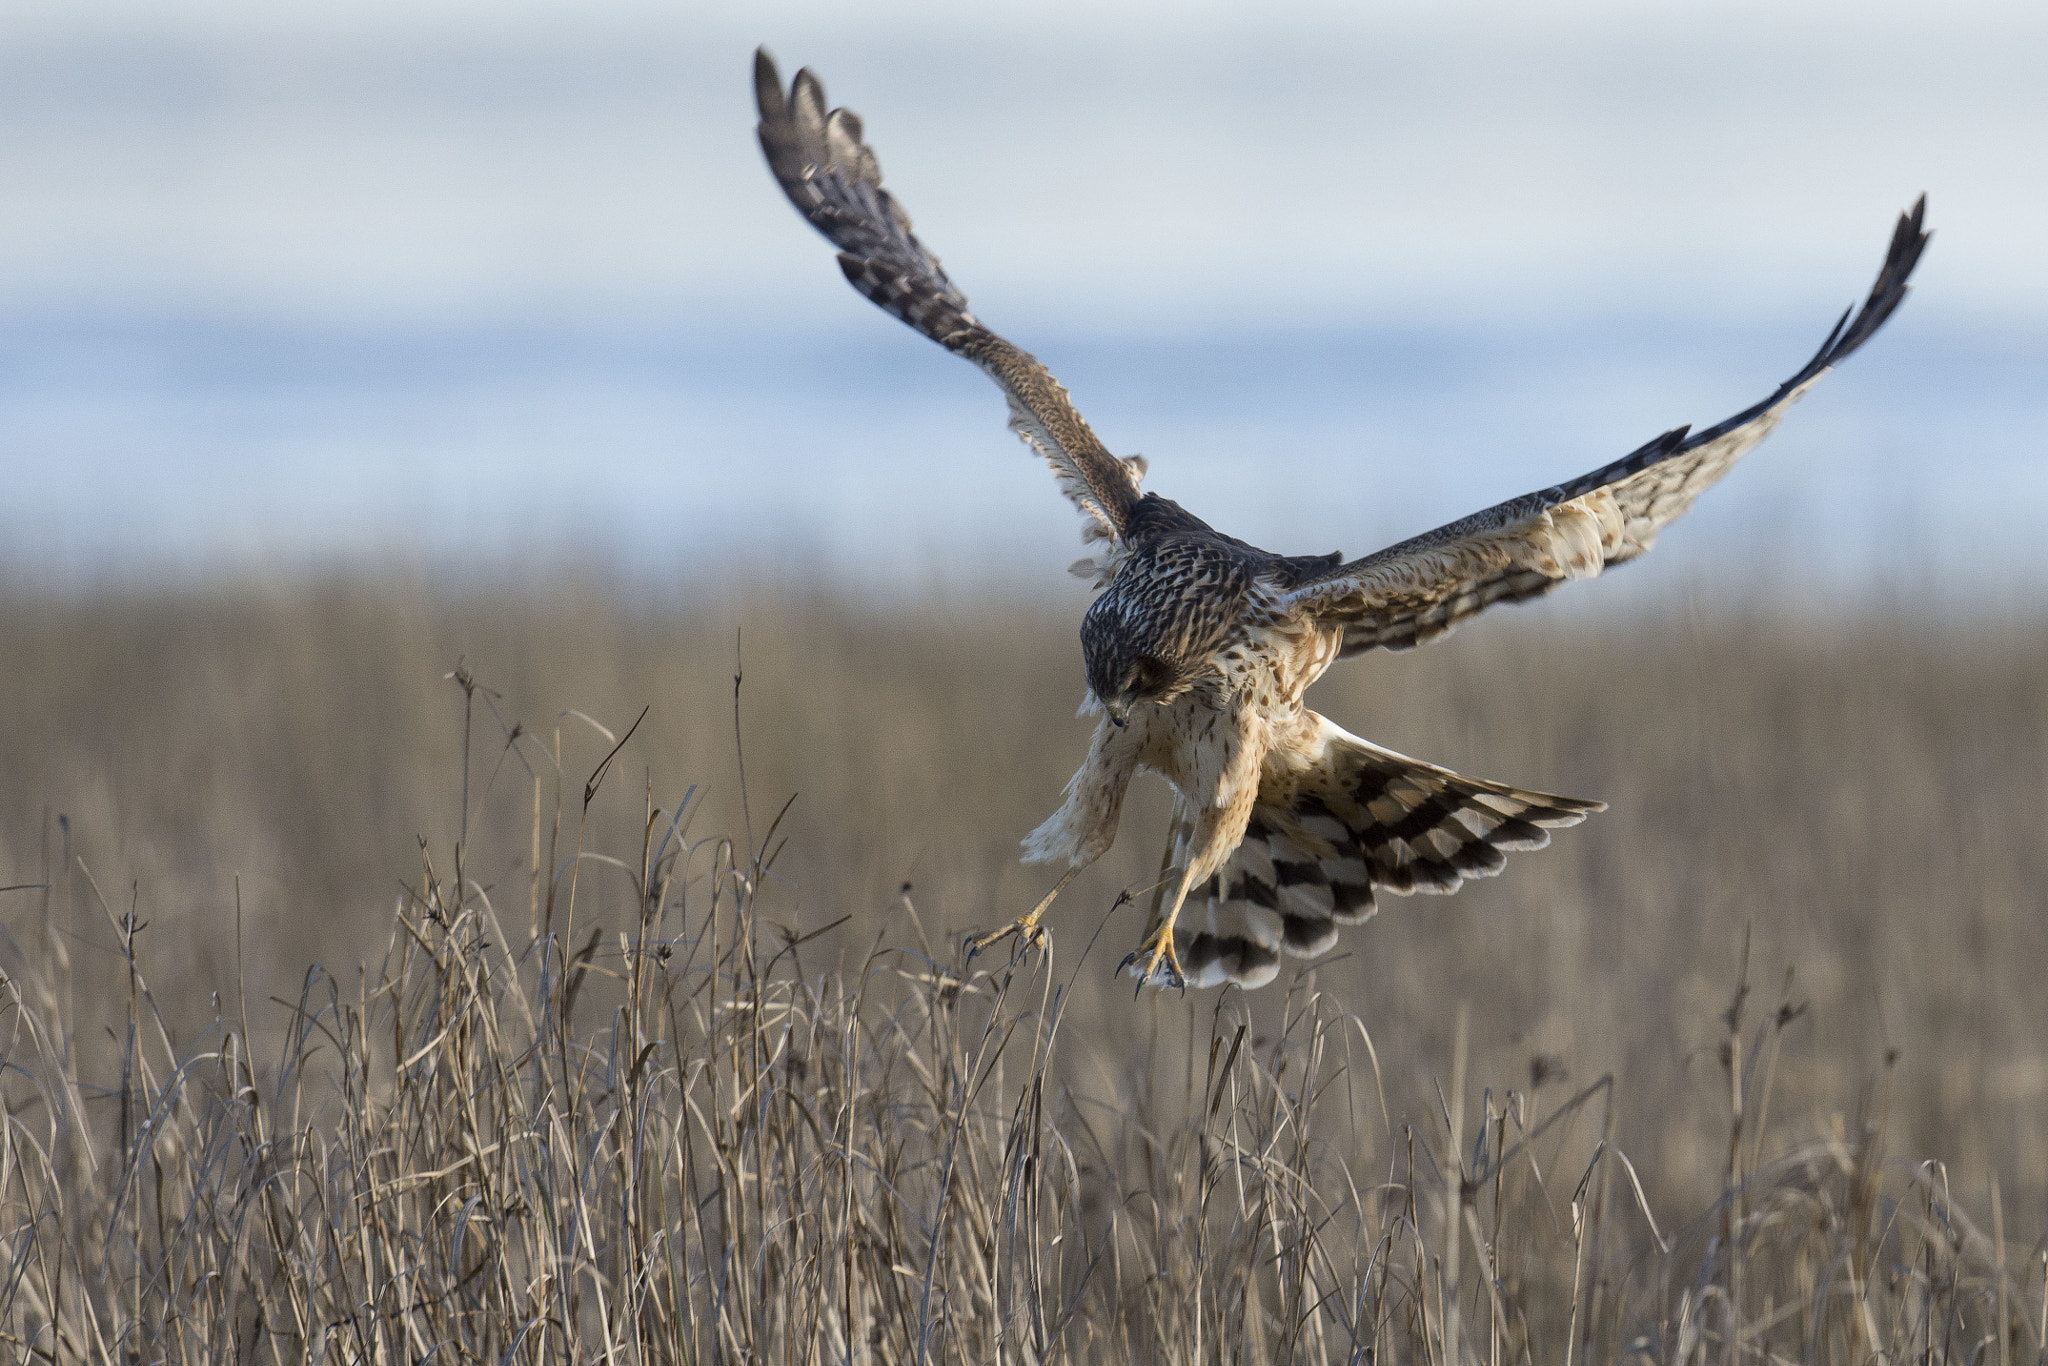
<point>1215,743</point>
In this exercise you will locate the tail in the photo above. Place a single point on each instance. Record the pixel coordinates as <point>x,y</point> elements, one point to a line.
<point>1318,850</point>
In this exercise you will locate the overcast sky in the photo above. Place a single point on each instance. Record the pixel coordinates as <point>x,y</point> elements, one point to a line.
<point>1133,164</point>
<point>281,280</point>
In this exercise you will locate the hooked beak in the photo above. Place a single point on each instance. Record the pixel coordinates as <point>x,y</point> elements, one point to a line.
<point>1119,711</point>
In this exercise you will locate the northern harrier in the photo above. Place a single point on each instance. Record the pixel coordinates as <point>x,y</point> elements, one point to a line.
<point>1199,646</point>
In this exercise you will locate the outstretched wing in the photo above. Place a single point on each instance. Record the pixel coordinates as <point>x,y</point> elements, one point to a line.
<point>832,177</point>
<point>1417,590</point>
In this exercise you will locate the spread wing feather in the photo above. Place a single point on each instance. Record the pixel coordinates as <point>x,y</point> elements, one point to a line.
<point>1417,590</point>
<point>1360,821</point>
<point>832,177</point>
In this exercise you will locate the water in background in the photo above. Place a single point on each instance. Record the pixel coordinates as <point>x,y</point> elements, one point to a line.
<point>136,449</point>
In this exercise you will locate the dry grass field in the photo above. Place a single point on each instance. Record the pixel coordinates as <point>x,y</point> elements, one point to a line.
<point>716,1090</point>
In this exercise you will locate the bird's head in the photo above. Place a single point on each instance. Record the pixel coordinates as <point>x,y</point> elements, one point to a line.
<point>1132,658</point>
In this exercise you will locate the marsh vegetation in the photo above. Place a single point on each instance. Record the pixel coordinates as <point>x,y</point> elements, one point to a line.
<point>371,993</point>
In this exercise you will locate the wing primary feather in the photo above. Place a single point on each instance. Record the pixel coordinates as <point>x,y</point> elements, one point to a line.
<point>1856,325</point>
<point>822,161</point>
<point>1419,588</point>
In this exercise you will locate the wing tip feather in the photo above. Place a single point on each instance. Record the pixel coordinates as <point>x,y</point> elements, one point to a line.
<point>768,98</point>
<point>1857,325</point>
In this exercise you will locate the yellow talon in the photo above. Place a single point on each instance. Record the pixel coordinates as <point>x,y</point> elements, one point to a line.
<point>1157,949</point>
<point>1027,927</point>
<point>1035,935</point>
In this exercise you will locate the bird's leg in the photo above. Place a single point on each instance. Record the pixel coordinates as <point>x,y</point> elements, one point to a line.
<point>1174,831</point>
<point>1026,924</point>
<point>1156,949</point>
<point>1204,836</point>
<point>1158,941</point>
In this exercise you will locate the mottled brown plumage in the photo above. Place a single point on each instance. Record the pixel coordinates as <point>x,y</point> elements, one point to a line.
<point>1200,646</point>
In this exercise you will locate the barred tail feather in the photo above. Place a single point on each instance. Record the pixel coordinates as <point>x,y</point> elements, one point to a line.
<point>1361,821</point>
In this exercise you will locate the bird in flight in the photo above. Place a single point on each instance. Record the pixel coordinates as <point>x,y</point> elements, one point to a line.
<point>1198,646</point>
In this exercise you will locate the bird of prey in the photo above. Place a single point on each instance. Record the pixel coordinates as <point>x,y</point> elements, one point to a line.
<point>1199,646</point>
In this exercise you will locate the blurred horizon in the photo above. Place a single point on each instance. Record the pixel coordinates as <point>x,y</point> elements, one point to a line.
<point>469,286</point>
<point>180,450</point>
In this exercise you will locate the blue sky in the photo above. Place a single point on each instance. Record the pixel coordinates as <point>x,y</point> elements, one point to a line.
<point>289,281</point>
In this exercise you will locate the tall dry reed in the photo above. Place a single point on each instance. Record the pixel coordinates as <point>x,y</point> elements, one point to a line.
<point>533,1133</point>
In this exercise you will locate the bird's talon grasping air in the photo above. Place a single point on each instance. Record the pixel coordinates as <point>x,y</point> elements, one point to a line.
<point>1030,933</point>
<point>1162,963</point>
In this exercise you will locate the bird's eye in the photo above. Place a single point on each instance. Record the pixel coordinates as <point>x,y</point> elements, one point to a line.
<point>1153,675</point>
